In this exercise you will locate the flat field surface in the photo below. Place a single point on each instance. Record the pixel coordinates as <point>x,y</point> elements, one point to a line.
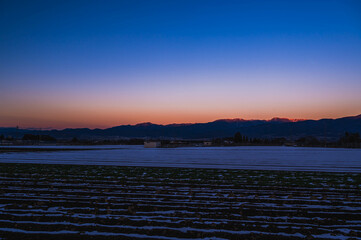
<point>242,157</point>
<point>40,201</point>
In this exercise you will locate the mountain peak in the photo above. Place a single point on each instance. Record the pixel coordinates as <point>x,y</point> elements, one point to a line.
<point>145,124</point>
<point>230,120</point>
<point>354,117</point>
<point>285,120</point>
<point>277,119</point>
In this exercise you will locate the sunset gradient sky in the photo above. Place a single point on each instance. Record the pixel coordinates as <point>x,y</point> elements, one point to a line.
<point>107,63</point>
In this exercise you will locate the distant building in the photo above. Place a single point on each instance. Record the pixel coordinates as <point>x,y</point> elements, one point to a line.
<point>207,143</point>
<point>152,144</point>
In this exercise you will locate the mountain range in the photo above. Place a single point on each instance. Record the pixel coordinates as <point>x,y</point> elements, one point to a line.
<point>276,127</point>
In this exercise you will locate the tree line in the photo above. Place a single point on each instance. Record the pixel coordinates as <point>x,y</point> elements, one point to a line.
<point>347,140</point>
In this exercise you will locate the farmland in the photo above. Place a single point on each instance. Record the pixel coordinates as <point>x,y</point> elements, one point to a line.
<point>43,201</point>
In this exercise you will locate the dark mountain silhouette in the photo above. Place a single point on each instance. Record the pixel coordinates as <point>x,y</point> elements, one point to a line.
<point>276,127</point>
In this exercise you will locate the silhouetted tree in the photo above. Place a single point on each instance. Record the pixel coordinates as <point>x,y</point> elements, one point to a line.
<point>350,140</point>
<point>217,141</point>
<point>237,137</point>
<point>33,137</point>
<point>279,141</point>
<point>9,138</point>
<point>308,141</point>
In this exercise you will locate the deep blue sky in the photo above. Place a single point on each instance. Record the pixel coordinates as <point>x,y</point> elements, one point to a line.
<point>103,63</point>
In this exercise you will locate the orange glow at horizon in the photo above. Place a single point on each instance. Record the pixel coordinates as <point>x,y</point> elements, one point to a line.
<point>104,107</point>
<point>106,119</point>
<point>167,105</point>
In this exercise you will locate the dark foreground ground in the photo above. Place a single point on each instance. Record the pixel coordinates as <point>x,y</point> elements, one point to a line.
<point>97,202</point>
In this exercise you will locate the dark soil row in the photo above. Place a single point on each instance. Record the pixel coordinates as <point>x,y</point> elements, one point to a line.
<point>141,203</point>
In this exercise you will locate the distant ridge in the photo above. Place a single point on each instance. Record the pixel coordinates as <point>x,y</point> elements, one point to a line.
<point>275,127</point>
<point>355,117</point>
<point>277,119</point>
<point>144,124</point>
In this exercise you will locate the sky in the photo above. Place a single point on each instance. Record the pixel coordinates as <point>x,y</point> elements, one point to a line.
<point>97,64</point>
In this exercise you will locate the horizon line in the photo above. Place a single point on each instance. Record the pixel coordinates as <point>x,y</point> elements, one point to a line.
<point>190,123</point>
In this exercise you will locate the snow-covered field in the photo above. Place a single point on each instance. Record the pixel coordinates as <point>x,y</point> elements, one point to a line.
<point>92,194</point>
<point>266,158</point>
<point>39,201</point>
